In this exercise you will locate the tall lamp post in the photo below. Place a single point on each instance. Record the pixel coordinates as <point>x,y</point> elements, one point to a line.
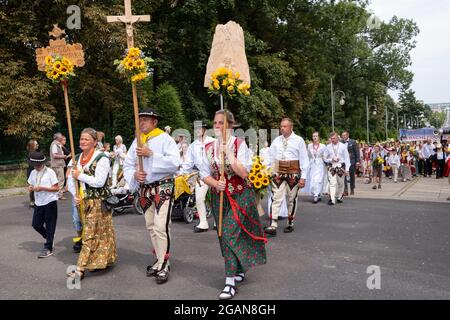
<point>333,101</point>
<point>367,117</point>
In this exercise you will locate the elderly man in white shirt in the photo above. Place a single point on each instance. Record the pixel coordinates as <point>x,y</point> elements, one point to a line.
<point>428,152</point>
<point>338,160</point>
<point>289,161</point>
<point>161,160</point>
<point>193,161</point>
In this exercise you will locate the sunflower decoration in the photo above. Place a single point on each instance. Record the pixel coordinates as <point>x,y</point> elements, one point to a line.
<point>58,68</point>
<point>228,83</point>
<point>259,175</point>
<point>134,65</point>
<point>380,160</point>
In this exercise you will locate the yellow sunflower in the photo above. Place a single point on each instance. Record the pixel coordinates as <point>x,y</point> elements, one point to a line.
<point>251,177</point>
<point>48,60</point>
<point>258,184</point>
<point>265,182</point>
<point>257,166</point>
<point>230,88</point>
<point>139,63</point>
<point>57,65</point>
<point>259,176</point>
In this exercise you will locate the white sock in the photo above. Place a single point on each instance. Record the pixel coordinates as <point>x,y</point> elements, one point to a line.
<point>229,281</point>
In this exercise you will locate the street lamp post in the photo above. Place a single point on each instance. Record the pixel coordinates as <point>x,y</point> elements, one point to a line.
<point>386,122</point>
<point>333,102</point>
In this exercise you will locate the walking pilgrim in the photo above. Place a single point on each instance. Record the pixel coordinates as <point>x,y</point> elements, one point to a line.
<point>155,183</point>
<point>289,161</point>
<point>194,158</point>
<point>317,169</point>
<point>337,158</point>
<point>98,237</point>
<point>242,241</point>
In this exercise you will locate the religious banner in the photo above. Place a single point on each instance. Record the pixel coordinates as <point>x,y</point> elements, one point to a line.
<point>73,52</point>
<point>228,51</point>
<point>228,76</point>
<point>58,61</point>
<point>419,134</point>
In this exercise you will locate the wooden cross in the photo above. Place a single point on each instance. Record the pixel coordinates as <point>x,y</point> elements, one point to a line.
<point>129,20</point>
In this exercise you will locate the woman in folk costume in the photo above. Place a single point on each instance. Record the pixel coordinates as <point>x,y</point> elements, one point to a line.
<point>405,164</point>
<point>317,168</point>
<point>242,241</point>
<point>99,244</point>
<point>119,155</point>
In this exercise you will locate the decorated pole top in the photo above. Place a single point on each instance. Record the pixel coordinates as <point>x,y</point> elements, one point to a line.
<point>129,19</point>
<point>228,51</point>
<point>59,47</point>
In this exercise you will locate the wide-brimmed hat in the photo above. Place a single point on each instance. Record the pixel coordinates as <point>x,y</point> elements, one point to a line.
<point>149,113</point>
<point>36,158</point>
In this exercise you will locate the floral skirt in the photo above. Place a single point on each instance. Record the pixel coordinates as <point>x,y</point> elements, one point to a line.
<point>239,249</point>
<point>99,243</point>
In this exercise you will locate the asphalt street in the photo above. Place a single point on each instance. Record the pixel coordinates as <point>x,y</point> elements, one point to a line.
<point>326,257</point>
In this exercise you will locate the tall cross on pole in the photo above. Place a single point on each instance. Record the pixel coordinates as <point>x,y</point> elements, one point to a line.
<point>129,19</point>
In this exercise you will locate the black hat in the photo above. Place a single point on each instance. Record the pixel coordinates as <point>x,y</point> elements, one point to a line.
<point>36,158</point>
<point>149,113</point>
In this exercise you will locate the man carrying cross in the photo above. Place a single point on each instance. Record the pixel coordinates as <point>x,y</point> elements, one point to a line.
<point>155,184</point>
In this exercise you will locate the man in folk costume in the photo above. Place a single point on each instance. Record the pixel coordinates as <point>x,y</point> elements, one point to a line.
<point>194,158</point>
<point>338,160</point>
<point>354,154</point>
<point>317,168</point>
<point>289,162</point>
<point>161,159</point>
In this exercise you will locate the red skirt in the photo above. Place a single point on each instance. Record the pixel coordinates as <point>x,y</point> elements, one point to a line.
<point>447,168</point>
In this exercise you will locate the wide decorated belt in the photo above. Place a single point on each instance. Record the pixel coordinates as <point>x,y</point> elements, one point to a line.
<point>287,166</point>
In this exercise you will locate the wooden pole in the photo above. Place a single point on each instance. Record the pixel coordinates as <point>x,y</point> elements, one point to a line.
<point>136,124</point>
<point>222,164</point>
<point>72,149</point>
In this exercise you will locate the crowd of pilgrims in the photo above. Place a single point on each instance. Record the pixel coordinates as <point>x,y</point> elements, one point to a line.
<point>312,168</point>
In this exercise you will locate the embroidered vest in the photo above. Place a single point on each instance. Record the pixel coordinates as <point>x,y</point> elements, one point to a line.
<point>91,192</point>
<point>234,183</point>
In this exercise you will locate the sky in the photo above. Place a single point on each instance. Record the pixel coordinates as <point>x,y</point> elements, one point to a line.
<point>431,57</point>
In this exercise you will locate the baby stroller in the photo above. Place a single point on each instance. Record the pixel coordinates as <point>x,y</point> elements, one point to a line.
<point>183,207</point>
<point>127,200</point>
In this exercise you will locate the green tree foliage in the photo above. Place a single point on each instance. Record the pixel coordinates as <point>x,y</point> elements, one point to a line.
<point>294,48</point>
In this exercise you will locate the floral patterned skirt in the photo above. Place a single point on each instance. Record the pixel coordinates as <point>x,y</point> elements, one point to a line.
<point>239,249</point>
<point>99,243</point>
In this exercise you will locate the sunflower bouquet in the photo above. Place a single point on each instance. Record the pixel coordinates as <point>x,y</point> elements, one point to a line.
<point>134,65</point>
<point>259,176</point>
<point>58,68</point>
<point>227,83</point>
<point>380,160</point>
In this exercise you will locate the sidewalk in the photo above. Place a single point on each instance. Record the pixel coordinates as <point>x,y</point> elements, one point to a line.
<point>418,189</point>
<point>5,193</point>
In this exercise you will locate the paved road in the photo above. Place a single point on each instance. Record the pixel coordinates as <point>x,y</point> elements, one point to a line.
<point>325,258</point>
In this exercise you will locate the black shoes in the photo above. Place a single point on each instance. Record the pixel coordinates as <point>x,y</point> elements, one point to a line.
<point>163,275</point>
<point>45,253</point>
<point>271,231</point>
<point>289,229</point>
<point>152,270</point>
<point>339,200</point>
<point>198,230</point>
<point>77,246</point>
<point>331,203</point>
